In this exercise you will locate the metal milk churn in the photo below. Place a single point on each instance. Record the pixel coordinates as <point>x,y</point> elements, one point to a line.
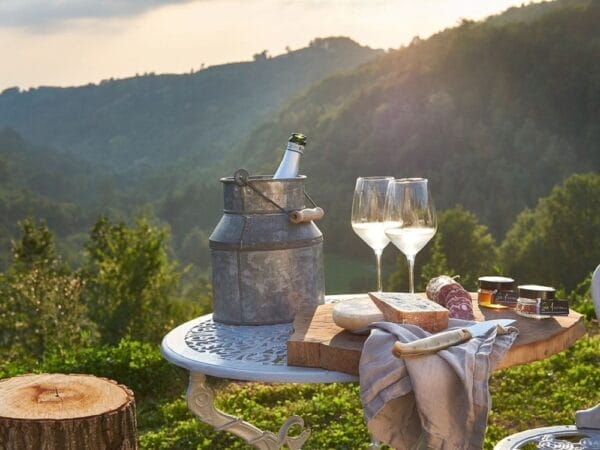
<point>266,252</point>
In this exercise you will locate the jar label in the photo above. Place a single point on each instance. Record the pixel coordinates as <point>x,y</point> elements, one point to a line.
<point>554,307</point>
<point>508,298</point>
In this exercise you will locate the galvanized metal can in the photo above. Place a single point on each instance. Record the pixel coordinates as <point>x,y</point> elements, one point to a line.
<point>264,267</point>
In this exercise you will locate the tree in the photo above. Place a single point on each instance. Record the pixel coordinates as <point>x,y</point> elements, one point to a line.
<point>130,281</point>
<point>194,248</point>
<point>468,245</point>
<point>437,264</point>
<point>262,56</point>
<point>36,246</point>
<point>41,309</point>
<point>557,243</point>
<point>42,312</point>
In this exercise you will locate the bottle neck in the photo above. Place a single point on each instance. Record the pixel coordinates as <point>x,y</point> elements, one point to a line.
<point>293,147</point>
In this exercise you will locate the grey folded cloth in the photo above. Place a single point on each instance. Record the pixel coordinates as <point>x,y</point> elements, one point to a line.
<point>439,401</point>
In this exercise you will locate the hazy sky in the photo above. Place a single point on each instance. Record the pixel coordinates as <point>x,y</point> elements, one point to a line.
<point>74,42</point>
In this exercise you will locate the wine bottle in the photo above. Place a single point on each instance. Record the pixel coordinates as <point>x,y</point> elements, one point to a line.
<point>290,164</point>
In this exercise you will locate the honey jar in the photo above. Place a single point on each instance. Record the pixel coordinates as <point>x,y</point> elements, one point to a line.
<point>496,292</point>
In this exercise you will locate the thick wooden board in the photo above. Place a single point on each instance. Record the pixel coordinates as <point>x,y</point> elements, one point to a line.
<point>318,342</point>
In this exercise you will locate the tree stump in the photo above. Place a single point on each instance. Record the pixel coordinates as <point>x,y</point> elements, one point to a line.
<point>66,412</point>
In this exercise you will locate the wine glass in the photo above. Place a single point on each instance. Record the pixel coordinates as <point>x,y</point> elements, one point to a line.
<point>410,218</point>
<point>367,215</point>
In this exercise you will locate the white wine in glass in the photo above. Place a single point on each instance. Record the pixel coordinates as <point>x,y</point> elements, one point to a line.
<point>368,215</point>
<point>410,218</point>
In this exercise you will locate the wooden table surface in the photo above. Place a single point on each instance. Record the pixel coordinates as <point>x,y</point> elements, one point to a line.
<point>318,342</point>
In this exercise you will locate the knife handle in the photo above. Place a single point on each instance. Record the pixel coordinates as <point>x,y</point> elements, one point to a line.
<point>430,344</point>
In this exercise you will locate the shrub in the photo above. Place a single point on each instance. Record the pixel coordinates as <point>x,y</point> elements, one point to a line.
<point>139,366</point>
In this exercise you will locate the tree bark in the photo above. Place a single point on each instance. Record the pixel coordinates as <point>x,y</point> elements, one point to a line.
<point>66,412</point>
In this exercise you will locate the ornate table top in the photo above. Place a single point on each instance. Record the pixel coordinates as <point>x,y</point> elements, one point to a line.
<point>241,352</point>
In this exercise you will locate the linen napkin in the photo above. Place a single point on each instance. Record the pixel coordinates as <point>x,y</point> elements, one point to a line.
<point>439,401</point>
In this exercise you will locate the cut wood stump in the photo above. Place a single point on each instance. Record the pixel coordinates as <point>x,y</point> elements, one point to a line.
<point>66,412</point>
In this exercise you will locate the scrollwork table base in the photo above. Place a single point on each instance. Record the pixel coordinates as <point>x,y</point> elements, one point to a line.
<point>249,353</point>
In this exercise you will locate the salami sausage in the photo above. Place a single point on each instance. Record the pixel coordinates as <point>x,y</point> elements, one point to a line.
<point>451,295</point>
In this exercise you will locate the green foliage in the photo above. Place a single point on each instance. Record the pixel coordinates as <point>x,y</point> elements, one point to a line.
<point>36,246</point>
<point>127,287</point>
<point>580,299</point>
<point>130,281</point>
<point>437,264</point>
<point>332,412</point>
<point>39,182</point>
<point>194,248</point>
<point>462,246</point>
<point>345,275</point>
<point>472,108</point>
<point>188,120</point>
<point>41,311</point>
<point>556,243</point>
<point>40,301</point>
<point>545,393</point>
<point>556,387</point>
<point>468,246</point>
<point>138,365</point>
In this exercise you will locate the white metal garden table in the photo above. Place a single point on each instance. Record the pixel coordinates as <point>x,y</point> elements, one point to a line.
<point>240,352</point>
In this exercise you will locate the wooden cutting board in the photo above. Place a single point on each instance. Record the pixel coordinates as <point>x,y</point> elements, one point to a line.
<point>318,342</point>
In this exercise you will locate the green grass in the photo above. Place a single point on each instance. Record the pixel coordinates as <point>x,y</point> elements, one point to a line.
<point>538,394</point>
<point>542,393</point>
<point>548,392</point>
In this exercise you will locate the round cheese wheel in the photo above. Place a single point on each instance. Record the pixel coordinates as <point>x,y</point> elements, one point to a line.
<point>356,314</point>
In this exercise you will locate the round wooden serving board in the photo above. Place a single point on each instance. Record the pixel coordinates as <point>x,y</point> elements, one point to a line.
<point>318,342</point>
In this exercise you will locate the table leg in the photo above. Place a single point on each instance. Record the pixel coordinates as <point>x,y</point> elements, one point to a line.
<point>200,400</point>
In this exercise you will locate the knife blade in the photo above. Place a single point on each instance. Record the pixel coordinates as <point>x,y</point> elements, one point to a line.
<point>445,339</point>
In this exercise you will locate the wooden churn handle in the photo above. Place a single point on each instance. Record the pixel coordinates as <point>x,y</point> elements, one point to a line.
<point>306,215</point>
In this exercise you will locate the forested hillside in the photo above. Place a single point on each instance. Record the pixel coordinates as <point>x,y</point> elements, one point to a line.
<point>152,120</point>
<point>36,181</point>
<point>125,146</point>
<point>494,115</point>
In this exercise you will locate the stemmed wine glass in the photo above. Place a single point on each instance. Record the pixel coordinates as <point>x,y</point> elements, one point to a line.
<point>410,218</point>
<point>368,215</point>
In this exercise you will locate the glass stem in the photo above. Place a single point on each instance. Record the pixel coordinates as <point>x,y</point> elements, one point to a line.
<point>378,257</point>
<point>411,270</point>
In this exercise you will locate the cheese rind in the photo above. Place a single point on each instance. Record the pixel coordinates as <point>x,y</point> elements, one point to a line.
<point>415,309</point>
<point>356,314</point>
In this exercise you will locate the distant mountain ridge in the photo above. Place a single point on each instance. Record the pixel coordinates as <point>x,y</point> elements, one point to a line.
<point>151,120</point>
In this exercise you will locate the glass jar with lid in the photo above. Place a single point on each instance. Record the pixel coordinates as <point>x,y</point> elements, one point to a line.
<point>496,292</point>
<point>530,300</point>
